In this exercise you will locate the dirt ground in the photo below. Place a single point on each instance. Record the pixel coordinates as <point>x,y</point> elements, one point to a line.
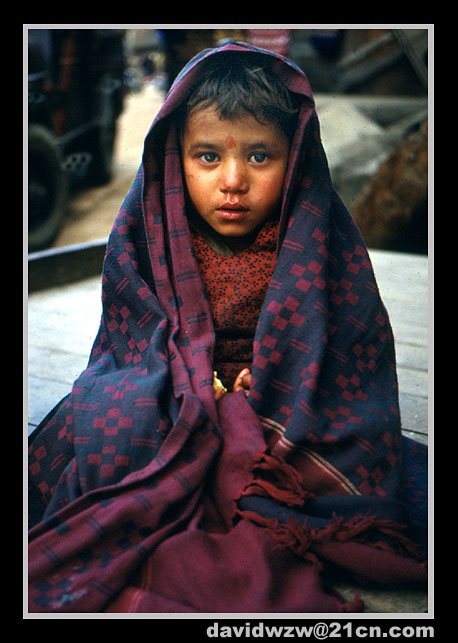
<point>91,212</point>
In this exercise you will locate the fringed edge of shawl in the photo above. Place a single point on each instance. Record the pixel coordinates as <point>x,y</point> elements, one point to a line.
<point>274,478</point>
<point>299,538</point>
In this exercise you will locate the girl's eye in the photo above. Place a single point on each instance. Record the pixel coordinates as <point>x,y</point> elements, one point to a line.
<point>209,157</point>
<point>258,157</point>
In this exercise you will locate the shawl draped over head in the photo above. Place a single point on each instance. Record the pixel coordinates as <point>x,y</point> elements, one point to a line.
<point>147,495</point>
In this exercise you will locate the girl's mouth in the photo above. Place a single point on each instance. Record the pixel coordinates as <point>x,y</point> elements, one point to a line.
<point>232,211</point>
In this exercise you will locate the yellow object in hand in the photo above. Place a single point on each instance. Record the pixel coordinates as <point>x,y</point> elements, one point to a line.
<point>218,386</point>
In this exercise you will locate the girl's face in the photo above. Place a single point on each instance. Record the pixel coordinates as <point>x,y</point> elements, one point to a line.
<point>234,171</point>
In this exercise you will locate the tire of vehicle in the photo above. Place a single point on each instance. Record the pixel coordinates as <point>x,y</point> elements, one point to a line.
<point>103,137</point>
<point>47,188</point>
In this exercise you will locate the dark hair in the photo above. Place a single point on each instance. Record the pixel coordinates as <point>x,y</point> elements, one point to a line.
<point>235,87</point>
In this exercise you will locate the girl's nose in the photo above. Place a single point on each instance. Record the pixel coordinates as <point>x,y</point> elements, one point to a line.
<point>233,177</point>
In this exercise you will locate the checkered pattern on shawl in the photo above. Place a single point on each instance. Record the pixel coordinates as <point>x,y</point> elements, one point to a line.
<point>121,467</point>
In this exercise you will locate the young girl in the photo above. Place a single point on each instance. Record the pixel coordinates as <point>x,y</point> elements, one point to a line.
<point>158,486</point>
<point>238,127</point>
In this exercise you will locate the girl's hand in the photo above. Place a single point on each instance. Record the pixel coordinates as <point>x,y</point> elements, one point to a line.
<point>243,381</point>
<point>218,387</point>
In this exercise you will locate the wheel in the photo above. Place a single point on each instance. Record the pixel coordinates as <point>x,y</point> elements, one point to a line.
<point>47,188</point>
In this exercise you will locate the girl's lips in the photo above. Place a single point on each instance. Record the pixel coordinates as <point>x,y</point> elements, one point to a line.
<point>232,212</point>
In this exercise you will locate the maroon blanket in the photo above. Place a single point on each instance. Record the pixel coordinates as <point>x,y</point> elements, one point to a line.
<point>148,496</point>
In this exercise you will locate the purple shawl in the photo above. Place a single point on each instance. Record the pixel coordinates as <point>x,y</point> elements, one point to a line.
<point>148,496</point>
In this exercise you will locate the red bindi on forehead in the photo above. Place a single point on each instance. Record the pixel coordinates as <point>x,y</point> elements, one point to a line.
<point>230,142</point>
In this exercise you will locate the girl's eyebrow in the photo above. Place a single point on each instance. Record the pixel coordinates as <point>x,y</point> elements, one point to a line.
<point>259,145</point>
<point>214,146</point>
<point>270,147</point>
<point>201,144</point>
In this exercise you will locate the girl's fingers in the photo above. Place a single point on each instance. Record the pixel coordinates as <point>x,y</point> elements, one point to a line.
<point>242,381</point>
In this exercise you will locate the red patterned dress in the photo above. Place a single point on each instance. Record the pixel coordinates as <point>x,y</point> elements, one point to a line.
<point>236,287</point>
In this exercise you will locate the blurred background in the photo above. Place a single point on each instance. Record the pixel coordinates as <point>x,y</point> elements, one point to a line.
<point>93,94</point>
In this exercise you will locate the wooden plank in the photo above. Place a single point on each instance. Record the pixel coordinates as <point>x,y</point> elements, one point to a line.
<point>381,600</point>
<point>410,334</point>
<point>411,355</point>
<point>43,395</point>
<point>414,416</point>
<point>413,382</point>
<point>404,287</point>
<point>62,325</point>
<point>60,266</point>
<point>402,278</point>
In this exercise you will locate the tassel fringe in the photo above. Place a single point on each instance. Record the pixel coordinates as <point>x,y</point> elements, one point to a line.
<point>299,538</point>
<point>276,479</point>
